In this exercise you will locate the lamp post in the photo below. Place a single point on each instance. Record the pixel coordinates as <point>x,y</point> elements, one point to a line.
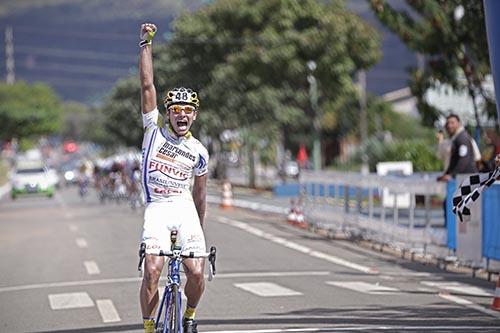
<point>363,122</point>
<point>313,98</point>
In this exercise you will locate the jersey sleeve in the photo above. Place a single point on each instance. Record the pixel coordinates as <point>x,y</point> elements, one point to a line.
<point>150,119</point>
<point>201,167</point>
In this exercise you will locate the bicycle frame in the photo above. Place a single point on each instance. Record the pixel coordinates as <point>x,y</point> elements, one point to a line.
<point>172,298</point>
<point>171,301</point>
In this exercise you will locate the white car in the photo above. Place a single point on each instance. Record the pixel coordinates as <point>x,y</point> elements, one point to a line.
<point>31,177</point>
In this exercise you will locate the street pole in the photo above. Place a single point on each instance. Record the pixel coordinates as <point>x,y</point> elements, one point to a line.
<point>313,98</point>
<point>363,121</point>
<point>9,56</point>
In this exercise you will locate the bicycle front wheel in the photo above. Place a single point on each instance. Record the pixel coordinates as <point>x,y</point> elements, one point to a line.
<point>174,314</point>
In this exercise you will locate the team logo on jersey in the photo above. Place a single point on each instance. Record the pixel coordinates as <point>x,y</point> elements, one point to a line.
<point>172,151</point>
<point>168,171</point>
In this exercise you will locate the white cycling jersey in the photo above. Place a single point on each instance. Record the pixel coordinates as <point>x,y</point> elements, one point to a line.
<point>168,162</point>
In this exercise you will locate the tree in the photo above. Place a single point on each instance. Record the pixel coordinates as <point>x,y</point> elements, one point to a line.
<point>248,59</point>
<point>451,35</point>
<point>28,111</point>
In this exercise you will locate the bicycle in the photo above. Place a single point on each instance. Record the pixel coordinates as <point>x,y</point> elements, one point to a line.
<point>170,321</point>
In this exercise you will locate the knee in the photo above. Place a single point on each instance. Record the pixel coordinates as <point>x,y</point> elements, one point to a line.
<point>196,275</point>
<point>151,276</point>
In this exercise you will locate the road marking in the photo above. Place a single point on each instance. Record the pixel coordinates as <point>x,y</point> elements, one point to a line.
<point>70,301</point>
<point>273,330</point>
<point>369,328</point>
<point>82,243</point>
<point>458,287</point>
<point>139,279</point>
<point>469,304</point>
<point>294,246</point>
<point>108,311</point>
<point>73,228</point>
<point>363,287</point>
<point>92,268</point>
<point>67,213</point>
<point>267,289</point>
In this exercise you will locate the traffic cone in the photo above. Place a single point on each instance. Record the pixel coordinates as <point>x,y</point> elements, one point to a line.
<point>496,298</point>
<point>292,215</point>
<point>301,219</point>
<point>227,196</point>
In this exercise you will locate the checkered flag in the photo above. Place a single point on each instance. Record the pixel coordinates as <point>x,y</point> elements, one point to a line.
<point>470,190</point>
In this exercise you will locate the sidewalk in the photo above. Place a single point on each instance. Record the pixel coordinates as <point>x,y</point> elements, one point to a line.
<point>258,200</point>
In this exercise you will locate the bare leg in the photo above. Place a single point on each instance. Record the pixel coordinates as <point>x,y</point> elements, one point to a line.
<point>153,266</point>
<point>195,280</point>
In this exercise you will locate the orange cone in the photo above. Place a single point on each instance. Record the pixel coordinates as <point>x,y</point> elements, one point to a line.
<point>227,196</point>
<point>292,215</point>
<point>301,219</point>
<point>496,297</point>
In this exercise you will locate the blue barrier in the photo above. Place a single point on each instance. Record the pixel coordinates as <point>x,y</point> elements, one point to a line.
<point>287,190</point>
<point>491,222</point>
<point>451,224</point>
<point>319,190</point>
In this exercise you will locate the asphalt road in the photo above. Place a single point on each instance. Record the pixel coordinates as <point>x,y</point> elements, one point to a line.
<point>69,265</point>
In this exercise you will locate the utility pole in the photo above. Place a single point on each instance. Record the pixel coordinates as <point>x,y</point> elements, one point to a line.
<point>313,97</point>
<point>363,121</point>
<point>9,56</point>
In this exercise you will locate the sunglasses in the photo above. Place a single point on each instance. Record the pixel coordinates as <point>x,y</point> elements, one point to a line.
<point>177,109</point>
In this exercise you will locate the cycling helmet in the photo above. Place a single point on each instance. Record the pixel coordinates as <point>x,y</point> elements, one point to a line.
<point>181,96</point>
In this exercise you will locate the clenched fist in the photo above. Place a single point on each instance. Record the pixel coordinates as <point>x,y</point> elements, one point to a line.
<point>147,33</point>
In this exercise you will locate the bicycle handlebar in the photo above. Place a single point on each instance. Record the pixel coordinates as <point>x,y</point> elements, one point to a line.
<point>180,254</point>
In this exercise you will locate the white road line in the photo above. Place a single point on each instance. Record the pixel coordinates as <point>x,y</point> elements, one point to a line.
<point>273,330</point>
<point>67,213</point>
<point>92,268</point>
<point>70,301</point>
<point>108,311</point>
<point>267,289</point>
<point>458,287</point>
<point>73,227</point>
<point>82,243</point>
<point>363,287</point>
<point>469,304</point>
<point>139,279</point>
<point>294,246</point>
<point>369,328</point>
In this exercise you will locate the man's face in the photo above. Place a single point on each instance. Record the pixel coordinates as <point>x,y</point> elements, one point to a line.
<point>181,118</point>
<point>452,124</point>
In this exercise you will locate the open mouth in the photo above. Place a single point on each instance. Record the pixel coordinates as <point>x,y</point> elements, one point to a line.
<point>182,124</point>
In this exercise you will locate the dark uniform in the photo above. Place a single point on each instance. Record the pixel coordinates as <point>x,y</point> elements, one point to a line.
<point>462,155</point>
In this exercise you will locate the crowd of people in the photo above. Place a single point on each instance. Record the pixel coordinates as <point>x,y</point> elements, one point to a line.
<point>117,178</point>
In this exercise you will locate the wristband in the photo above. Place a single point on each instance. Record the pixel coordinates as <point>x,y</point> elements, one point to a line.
<point>147,38</point>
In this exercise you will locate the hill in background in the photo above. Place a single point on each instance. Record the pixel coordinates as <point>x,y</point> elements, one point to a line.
<point>83,47</point>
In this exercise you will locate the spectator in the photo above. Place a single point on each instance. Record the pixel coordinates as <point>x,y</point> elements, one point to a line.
<point>489,152</point>
<point>443,149</point>
<point>463,154</point>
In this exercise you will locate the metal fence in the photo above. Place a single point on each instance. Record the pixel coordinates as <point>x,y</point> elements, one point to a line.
<point>405,212</point>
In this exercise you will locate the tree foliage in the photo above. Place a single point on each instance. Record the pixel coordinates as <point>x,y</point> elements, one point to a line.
<point>248,59</point>
<point>451,34</point>
<point>28,111</point>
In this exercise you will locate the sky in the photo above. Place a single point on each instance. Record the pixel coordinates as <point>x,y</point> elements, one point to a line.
<point>83,47</point>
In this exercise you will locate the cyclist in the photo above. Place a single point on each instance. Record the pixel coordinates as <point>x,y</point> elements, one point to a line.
<point>171,156</point>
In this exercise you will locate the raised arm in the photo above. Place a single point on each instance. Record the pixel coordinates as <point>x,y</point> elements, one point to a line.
<point>148,90</point>
<point>200,196</point>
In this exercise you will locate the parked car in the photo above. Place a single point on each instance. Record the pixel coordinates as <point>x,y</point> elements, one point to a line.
<point>31,177</point>
<point>54,178</point>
